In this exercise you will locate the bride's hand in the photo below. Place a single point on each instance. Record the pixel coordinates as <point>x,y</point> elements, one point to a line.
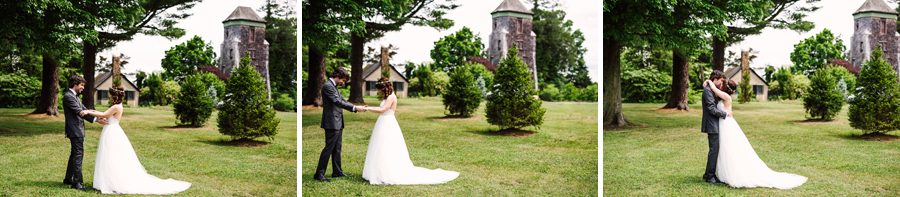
<point>82,113</point>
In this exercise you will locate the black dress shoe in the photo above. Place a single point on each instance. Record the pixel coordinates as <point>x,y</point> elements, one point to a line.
<point>319,177</point>
<point>714,181</point>
<point>341,175</point>
<point>67,181</point>
<point>79,187</point>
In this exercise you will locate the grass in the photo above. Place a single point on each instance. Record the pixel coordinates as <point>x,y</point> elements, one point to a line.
<point>666,154</point>
<point>35,152</point>
<point>559,160</point>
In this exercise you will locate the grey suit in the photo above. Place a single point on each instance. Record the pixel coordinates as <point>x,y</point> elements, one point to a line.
<point>710,126</point>
<point>75,132</point>
<point>333,105</point>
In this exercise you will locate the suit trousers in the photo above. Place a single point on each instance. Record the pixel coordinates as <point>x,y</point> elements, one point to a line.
<point>73,169</point>
<point>712,157</point>
<point>333,138</point>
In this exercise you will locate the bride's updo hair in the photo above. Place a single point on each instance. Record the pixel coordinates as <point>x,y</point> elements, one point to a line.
<point>116,95</point>
<point>384,87</point>
<point>729,87</point>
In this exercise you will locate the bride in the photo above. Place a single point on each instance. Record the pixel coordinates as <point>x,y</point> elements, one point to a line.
<point>117,169</point>
<point>738,165</point>
<point>387,159</point>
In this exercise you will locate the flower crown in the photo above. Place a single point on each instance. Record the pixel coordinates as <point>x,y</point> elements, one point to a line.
<point>727,86</point>
<point>382,82</point>
<point>113,89</point>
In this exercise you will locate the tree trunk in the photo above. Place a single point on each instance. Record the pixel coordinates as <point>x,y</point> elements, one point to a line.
<point>87,70</point>
<point>612,87</point>
<point>356,68</point>
<point>718,54</point>
<point>316,78</point>
<point>49,86</point>
<point>680,82</point>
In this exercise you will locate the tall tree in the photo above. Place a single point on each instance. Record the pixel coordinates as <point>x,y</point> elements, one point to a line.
<point>50,28</point>
<point>692,21</point>
<point>391,17</point>
<point>120,20</point>
<point>281,33</point>
<point>186,58</point>
<point>561,57</point>
<point>814,52</point>
<point>750,17</point>
<point>453,50</point>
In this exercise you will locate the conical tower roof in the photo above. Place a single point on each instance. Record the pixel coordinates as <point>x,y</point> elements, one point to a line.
<point>512,6</point>
<point>875,6</point>
<point>244,13</point>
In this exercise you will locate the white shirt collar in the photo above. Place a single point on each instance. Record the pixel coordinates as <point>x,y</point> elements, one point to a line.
<point>332,82</point>
<point>73,91</point>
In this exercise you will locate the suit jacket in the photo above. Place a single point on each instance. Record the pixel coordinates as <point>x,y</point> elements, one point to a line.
<point>332,105</point>
<point>71,108</point>
<point>711,113</point>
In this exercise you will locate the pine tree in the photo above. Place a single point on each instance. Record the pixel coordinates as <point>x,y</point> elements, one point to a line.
<point>824,99</point>
<point>194,105</point>
<point>462,96</point>
<point>512,101</point>
<point>875,103</point>
<point>246,112</point>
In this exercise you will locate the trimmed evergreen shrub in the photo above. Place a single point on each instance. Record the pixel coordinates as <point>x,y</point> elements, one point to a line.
<point>550,93</point>
<point>512,102</point>
<point>824,100</point>
<point>284,102</point>
<point>462,96</point>
<point>246,112</point>
<point>194,105</point>
<point>875,103</point>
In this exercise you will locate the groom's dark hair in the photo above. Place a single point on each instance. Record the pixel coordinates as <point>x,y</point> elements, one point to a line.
<point>340,73</point>
<point>75,80</point>
<point>716,74</point>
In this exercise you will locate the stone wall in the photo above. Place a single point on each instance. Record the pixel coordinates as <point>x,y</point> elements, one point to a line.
<point>508,30</point>
<point>240,39</point>
<point>868,33</point>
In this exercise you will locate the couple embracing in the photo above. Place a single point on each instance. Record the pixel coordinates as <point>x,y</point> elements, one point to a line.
<point>117,169</point>
<point>387,158</point>
<point>731,159</point>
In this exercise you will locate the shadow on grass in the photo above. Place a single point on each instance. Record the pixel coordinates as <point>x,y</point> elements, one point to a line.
<point>246,143</point>
<point>512,132</point>
<point>43,184</point>
<point>186,127</point>
<point>454,117</point>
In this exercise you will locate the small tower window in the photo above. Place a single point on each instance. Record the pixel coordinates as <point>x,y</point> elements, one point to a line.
<point>883,26</point>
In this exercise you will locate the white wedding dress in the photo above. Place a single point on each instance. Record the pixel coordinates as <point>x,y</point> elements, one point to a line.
<point>387,159</point>
<point>739,165</point>
<point>118,170</point>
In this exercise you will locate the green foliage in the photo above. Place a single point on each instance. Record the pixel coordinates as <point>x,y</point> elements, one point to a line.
<point>551,93</point>
<point>186,58</point>
<point>875,103</point>
<point>645,85</point>
<point>815,52</point>
<point>194,106</point>
<point>210,80</point>
<point>246,112</point>
<point>786,84</point>
<point>427,86</point>
<point>461,97</point>
<point>511,102</point>
<point>284,102</point>
<point>159,92</point>
<point>484,78</point>
<point>745,92</point>
<point>561,52</point>
<point>823,99</point>
<point>281,33</point>
<point>453,50</point>
<point>801,84</point>
<point>441,81</point>
<point>20,90</point>
<point>844,77</point>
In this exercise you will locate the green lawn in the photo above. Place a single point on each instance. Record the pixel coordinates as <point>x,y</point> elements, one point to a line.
<point>34,153</point>
<point>559,160</point>
<point>666,154</point>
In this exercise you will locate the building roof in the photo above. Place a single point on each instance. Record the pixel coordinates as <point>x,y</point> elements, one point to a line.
<point>371,68</point>
<point>244,13</point>
<point>875,6</point>
<point>733,71</point>
<point>102,77</point>
<point>512,6</point>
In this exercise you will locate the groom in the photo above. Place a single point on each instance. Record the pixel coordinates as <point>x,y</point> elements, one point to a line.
<point>333,123</point>
<point>710,124</point>
<point>75,131</point>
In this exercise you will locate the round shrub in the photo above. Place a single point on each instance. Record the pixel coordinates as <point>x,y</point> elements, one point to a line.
<point>284,102</point>
<point>194,105</point>
<point>511,102</point>
<point>823,99</point>
<point>246,111</point>
<point>550,93</point>
<point>20,90</point>
<point>462,96</point>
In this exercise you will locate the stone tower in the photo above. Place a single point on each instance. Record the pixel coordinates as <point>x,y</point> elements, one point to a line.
<point>245,32</point>
<point>874,23</point>
<point>512,24</point>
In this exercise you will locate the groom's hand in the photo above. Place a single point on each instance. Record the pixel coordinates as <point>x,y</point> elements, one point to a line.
<point>103,121</point>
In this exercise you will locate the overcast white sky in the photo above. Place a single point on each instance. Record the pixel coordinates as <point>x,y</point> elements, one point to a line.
<point>415,43</point>
<point>775,46</point>
<point>146,52</point>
